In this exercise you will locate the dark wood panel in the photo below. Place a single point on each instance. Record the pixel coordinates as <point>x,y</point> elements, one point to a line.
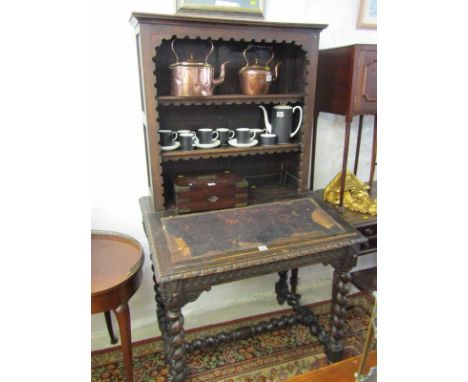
<point>366,82</point>
<point>290,74</point>
<point>210,116</point>
<point>334,80</point>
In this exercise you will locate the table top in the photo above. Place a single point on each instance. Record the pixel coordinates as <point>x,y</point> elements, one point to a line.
<point>199,244</point>
<point>115,258</point>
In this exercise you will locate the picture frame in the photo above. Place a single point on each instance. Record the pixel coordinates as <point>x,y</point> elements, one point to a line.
<point>367,18</point>
<point>225,8</point>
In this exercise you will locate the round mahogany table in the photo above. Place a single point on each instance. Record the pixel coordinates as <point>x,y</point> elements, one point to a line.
<point>116,273</point>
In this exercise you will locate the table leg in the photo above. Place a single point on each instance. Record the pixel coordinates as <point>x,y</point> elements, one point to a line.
<point>162,319</point>
<point>302,314</point>
<point>175,295</point>
<point>358,144</point>
<point>176,334</point>
<point>334,347</point>
<point>344,165</point>
<point>281,286</point>
<point>294,280</point>
<point>113,338</point>
<point>313,149</point>
<point>123,317</point>
<point>374,154</point>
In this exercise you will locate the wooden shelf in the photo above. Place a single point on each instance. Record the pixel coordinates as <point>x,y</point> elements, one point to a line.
<point>228,152</point>
<point>230,99</point>
<point>262,189</point>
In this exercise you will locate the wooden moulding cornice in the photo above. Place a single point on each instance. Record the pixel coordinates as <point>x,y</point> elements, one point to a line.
<point>150,18</point>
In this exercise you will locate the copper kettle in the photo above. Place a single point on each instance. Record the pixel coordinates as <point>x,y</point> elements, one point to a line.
<point>192,78</point>
<point>256,78</point>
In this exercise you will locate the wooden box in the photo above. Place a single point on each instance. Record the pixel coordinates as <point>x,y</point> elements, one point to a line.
<point>210,191</point>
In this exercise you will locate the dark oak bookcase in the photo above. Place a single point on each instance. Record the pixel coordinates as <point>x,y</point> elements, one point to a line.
<point>273,172</point>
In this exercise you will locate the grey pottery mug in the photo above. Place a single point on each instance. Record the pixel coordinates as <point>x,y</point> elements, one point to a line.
<point>258,132</point>
<point>267,139</point>
<point>187,141</point>
<point>167,137</point>
<point>207,135</point>
<point>186,132</point>
<point>244,135</point>
<point>225,135</point>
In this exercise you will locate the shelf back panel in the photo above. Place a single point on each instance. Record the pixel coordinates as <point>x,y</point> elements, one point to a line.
<point>290,72</point>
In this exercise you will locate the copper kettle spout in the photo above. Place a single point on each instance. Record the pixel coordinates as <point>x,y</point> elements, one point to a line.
<point>220,79</point>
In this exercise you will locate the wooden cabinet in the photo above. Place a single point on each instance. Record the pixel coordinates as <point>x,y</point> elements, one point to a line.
<point>347,81</point>
<point>347,85</point>
<point>273,172</point>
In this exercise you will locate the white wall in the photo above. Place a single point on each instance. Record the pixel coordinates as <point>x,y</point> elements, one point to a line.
<point>119,170</point>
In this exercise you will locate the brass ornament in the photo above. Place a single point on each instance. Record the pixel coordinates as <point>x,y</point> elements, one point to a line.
<point>356,196</point>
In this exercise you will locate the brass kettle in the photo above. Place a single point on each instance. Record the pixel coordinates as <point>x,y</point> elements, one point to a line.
<point>256,78</point>
<point>192,78</point>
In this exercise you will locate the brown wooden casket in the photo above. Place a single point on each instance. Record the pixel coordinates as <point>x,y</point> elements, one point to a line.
<point>210,191</point>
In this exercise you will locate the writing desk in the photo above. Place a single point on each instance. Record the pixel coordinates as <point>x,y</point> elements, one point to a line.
<point>191,253</point>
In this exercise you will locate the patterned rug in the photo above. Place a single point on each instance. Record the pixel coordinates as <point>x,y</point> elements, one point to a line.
<point>270,357</point>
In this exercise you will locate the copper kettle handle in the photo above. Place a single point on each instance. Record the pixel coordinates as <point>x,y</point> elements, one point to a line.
<point>211,51</point>
<point>173,51</point>
<point>259,47</point>
<point>177,57</point>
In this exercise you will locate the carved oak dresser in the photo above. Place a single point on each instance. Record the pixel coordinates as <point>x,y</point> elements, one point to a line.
<point>283,227</point>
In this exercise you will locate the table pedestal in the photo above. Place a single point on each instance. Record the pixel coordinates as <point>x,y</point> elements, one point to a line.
<point>171,320</point>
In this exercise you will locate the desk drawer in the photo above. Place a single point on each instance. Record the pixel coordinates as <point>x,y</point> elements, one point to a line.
<point>370,246</point>
<point>369,231</point>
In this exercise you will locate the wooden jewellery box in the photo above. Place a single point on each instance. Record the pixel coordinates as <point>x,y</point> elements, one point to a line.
<point>210,191</point>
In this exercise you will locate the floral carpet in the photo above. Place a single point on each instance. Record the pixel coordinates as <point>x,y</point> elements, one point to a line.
<point>270,357</point>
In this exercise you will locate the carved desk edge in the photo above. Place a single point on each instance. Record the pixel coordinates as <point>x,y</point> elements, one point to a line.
<point>326,252</point>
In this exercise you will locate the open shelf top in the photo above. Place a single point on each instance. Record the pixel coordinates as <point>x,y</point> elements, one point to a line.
<point>228,99</point>
<point>228,152</point>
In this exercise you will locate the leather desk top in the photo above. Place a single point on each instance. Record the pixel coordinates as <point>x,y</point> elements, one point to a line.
<point>198,244</point>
